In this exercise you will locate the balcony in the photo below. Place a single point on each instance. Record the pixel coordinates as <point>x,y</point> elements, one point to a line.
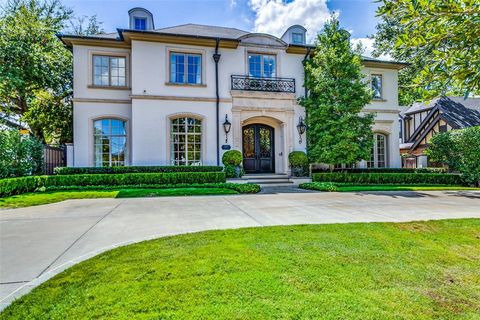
<point>263,84</point>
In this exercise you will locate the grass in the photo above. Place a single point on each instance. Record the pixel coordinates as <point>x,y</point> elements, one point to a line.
<point>419,270</point>
<point>38,198</point>
<point>345,187</point>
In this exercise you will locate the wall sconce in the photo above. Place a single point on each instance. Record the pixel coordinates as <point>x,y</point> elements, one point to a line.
<point>226,127</point>
<point>301,127</point>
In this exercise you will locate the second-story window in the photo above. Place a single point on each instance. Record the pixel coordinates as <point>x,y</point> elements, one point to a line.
<point>377,86</point>
<point>261,65</point>
<point>140,23</point>
<point>297,38</point>
<point>109,71</point>
<point>185,68</point>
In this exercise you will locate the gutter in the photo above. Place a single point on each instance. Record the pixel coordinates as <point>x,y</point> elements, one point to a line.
<point>216,58</point>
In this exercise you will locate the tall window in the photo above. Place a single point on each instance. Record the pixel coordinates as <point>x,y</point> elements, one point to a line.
<point>140,24</point>
<point>186,141</point>
<point>377,86</point>
<point>261,65</point>
<point>297,38</point>
<point>109,71</point>
<point>185,68</point>
<point>379,152</point>
<point>110,142</point>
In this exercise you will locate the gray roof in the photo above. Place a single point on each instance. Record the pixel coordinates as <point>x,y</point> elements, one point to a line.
<point>201,30</point>
<point>460,115</point>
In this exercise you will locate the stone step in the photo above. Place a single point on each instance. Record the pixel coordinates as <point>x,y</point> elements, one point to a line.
<point>269,181</point>
<point>279,185</point>
<point>265,176</point>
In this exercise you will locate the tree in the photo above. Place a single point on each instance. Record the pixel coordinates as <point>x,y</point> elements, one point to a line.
<point>337,132</point>
<point>35,68</point>
<point>19,155</point>
<point>86,26</point>
<point>440,41</point>
<point>460,150</point>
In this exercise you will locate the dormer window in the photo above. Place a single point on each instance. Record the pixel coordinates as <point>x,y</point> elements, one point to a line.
<point>297,38</point>
<point>140,23</point>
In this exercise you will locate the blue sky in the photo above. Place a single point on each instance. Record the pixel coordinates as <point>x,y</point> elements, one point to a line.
<point>355,15</point>
<point>270,16</point>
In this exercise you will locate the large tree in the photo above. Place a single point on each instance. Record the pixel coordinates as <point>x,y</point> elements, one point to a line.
<point>440,41</point>
<point>337,131</point>
<point>35,68</point>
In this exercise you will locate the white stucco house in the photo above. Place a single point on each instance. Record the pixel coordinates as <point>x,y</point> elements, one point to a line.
<point>146,96</point>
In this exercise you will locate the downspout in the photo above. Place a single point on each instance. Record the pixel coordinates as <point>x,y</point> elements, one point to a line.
<point>216,58</point>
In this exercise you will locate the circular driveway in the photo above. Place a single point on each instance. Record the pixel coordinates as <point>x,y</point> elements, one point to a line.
<point>39,242</point>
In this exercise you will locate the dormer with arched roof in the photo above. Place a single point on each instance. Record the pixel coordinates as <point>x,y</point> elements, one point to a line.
<point>141,19</point>
<point>296,34</point>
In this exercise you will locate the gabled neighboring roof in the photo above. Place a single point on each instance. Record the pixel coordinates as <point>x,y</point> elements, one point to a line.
<point>204,31</point>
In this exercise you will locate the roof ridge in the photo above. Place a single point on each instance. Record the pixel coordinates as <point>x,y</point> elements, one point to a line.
<point>204,25</point>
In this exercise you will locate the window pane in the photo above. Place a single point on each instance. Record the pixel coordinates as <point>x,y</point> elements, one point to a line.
<point>269,66</point>
<point>377,86</point>
<point>297,38</point>
<point>109,142</point>
<point>255,65</point>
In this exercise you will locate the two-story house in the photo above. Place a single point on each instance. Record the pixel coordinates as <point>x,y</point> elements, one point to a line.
<point>145,96</point>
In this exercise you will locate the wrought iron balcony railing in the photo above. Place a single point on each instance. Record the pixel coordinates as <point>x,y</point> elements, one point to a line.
<point>263,84</point>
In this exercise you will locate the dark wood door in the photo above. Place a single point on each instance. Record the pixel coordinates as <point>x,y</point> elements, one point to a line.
<point>258,151</point>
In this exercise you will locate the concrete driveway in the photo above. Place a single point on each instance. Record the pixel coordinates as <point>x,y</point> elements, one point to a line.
<point>39,242</point>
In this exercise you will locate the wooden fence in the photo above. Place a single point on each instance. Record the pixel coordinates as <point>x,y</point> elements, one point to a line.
<point>54,156</point>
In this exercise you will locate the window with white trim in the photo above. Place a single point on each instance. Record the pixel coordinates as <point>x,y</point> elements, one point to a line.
<point>378,157</point>
<point>110,142</point>
<point>297,38</point>
<point>186,141</point>
<point>140,23</point>
<point>185,68</point>
<point>109,71</point>
<point>262,65</point>
<point>377,86</point>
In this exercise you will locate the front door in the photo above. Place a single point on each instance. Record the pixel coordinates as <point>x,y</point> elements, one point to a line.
<point>258,153</point>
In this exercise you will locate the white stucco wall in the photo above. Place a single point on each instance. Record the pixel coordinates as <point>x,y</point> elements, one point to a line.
<point>149,100</point>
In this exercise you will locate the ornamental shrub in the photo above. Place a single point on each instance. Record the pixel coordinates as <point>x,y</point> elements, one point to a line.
<point>381,170</point>
<point>389,178</point>
<point>15,186</point>
<point>134,169</point>
<point>20,155</point>
<point>232,157</point>
<point>232,161</point>
<point>298,162</point>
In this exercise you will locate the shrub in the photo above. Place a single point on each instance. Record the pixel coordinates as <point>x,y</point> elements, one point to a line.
<point>27,184</point>
<point>389,178</point>
<point>134,169</point>
<point>319,186</point>
<point>233,157</point>
<point>232,160</point>
<point>241,188</point>
<point>382,170</point>
<point>298,162</point>
<point>20,155</point>
<point>460,150</point>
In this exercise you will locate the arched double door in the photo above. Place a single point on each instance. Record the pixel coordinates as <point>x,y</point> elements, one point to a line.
<point>258,148</point>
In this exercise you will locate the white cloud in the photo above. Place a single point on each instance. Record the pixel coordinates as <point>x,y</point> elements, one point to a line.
<point>233,4</point>
<point>275,16</point>
<point>367,45</point>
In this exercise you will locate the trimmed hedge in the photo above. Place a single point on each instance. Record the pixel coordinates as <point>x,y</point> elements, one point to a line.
<point>15,186</point>
<point>389,178</point>
<point>135,169</point>
<point>383,170</point>
<point>239,187</point>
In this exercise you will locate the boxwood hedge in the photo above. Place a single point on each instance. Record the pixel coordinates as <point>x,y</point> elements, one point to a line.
<point>389,178</point>
<point>135,169</point>
<point>15,186</point>
<point>381,170</point>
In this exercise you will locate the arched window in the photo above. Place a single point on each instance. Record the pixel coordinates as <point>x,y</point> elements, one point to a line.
<point>379,151</point>
<point>186,141</point>
<point>110,142</point>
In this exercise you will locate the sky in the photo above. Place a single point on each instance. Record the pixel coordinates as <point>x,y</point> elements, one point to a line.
<point>269,16</point>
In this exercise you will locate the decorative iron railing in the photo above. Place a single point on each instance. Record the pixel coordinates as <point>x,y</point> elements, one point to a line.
<point>263,84</point>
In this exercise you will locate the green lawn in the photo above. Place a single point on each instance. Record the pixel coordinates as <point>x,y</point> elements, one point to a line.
<point>38,198</point>
<point>344,187</point>
<point>419,270</point>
